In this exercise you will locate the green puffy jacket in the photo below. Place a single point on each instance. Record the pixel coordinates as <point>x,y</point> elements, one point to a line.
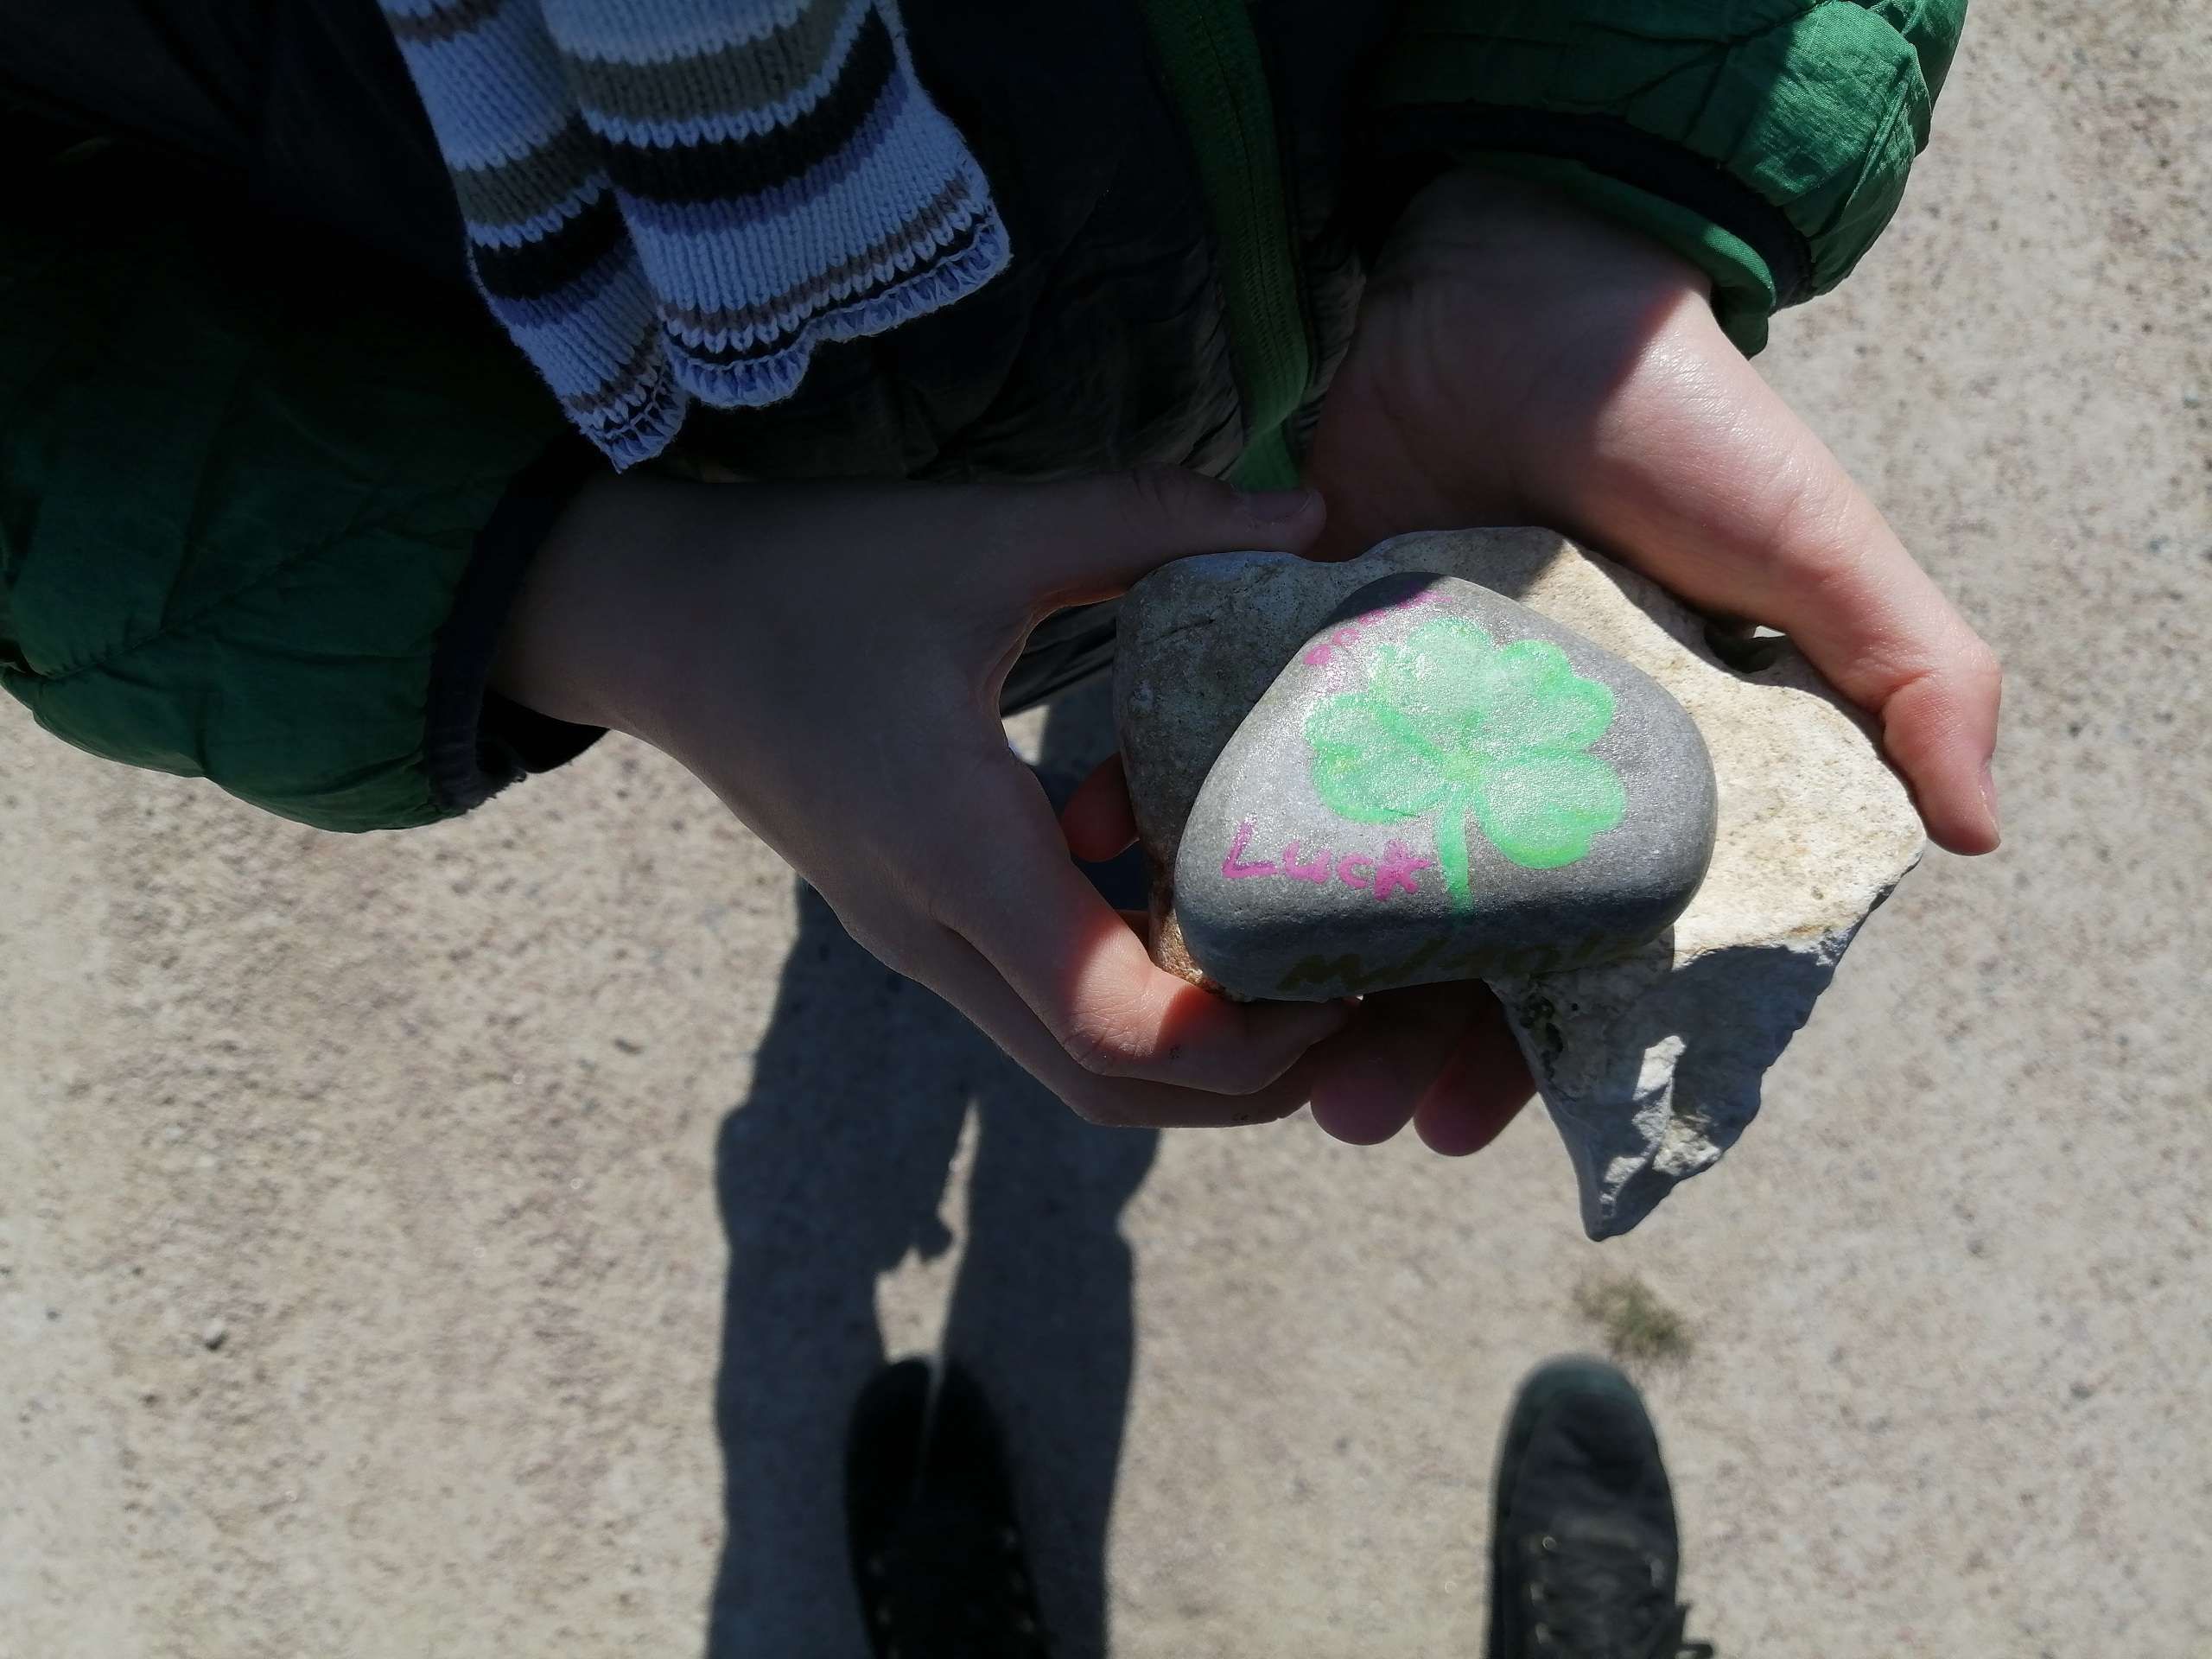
<point>269,479</point>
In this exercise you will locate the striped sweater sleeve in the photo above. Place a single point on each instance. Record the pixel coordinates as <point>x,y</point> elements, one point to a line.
<point>677,200</point>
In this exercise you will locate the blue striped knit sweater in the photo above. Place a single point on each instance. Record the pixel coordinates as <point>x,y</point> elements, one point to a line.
<point>667,200</point>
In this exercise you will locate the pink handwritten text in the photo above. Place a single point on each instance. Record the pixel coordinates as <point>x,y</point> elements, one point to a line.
<point>1321,652</point>
<point>1397,865</point>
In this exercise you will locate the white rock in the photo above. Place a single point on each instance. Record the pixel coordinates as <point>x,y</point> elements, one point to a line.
<point>1651,1067</point>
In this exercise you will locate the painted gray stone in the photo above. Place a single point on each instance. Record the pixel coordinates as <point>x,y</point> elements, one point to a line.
<point>1442,785</point>
<point>1650,1065</point>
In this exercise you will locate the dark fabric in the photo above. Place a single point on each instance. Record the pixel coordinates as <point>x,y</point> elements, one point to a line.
<point>1609,145</point>
<point>243,484</point>
<point>1318,54</point>
<point>476,741</point>
<point>301,105</point>
<point>243,502</point>
<point>1103,345</point>
<point>1678,116</point>
<point>1065,649</point>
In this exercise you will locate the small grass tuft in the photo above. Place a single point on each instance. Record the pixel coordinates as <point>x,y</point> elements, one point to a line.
<point>1638,1328</point>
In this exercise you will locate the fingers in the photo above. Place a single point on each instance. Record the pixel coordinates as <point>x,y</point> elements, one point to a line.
<point>1438,1055</point>
<point>1483,1087</point>
<point>1845,589</point>
<point>1014,895</point>
<point>1368,1081</point>
<point>1090,538</point>
<point>1098,821</point>
<point>1030,952</point>
<point>973,984</point>
<point>1939,716</point>
<point>1708,480</point>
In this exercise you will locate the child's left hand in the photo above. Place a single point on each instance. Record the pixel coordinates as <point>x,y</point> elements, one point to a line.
<point>1520,361</point>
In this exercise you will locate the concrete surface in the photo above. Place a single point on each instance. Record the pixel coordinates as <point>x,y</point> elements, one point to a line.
<point>530,1162</point>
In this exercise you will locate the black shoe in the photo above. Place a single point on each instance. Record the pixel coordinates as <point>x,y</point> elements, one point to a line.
<point>1584,1552</point>
<point>929,1516</point>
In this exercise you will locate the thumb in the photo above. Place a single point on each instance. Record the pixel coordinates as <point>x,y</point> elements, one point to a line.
<point>1090,538</point>
<point>1728,498</point>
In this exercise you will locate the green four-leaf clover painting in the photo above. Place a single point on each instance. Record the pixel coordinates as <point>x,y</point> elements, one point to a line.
<point>1484,736</point>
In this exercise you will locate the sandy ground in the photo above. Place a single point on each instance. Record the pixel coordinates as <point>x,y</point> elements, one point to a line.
<point>467,1242</point>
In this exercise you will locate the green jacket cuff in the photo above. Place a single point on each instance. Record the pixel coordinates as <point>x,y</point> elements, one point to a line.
<point>1744,293</point>
<point>1776,134</point>
<point>475,741</point>
<point>263,502</point>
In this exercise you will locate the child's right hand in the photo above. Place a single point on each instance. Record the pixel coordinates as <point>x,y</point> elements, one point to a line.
<point>1521,361</point>
<point>827,658</point>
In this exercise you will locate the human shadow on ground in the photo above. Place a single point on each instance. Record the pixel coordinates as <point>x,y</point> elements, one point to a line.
<point>827,1174</point>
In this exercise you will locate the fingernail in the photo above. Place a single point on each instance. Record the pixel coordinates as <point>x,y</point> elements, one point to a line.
<point>1989,795</point>
<point>1279,506</point>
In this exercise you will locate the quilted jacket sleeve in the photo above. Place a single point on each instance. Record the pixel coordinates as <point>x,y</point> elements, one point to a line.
<point>1768,140</point>
<point>260,520</point>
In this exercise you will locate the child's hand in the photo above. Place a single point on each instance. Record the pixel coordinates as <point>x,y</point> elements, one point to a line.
<point>827,659</point>
<point>1519,361</point>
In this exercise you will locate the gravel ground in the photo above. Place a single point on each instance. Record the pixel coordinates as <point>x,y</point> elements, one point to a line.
<point>466,1243</point>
